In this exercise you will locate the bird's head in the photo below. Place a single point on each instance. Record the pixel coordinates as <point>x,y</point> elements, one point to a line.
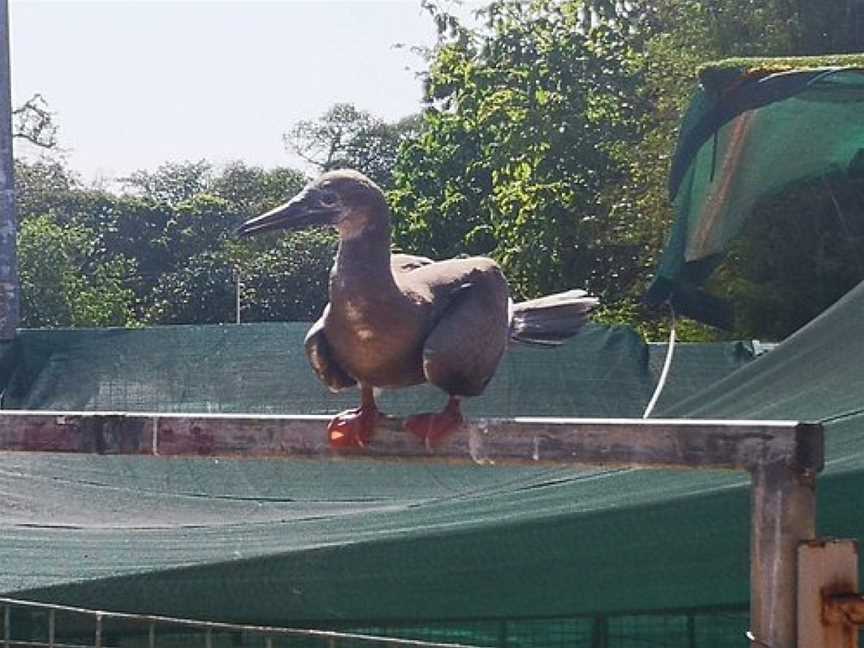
<point>344,199</point>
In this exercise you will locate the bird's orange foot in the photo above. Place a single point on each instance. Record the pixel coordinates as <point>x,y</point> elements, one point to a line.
<point>434,428</point>
<point>353,428</point>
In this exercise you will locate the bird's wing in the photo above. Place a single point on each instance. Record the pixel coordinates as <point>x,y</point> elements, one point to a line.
<point>321,357</point>
<point>408,262</point>
<point>463,349</point>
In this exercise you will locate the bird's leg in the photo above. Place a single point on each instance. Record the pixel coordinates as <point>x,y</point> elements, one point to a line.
<point>354,428</point>
<point>433,428</point>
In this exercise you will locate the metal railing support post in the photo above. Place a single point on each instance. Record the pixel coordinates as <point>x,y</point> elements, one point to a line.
<point>783,516</point>
<point>97,638</point>
<point>600,632</point>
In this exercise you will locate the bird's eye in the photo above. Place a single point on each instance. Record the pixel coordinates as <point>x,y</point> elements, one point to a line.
<point>328,198</point>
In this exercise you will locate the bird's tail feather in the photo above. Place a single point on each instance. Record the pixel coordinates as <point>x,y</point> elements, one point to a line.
<point>549,321</point>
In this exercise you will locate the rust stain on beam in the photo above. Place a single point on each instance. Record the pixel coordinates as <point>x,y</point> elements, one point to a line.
<point>829,606</point>
<point>736,445</point>
<point>845,609</point>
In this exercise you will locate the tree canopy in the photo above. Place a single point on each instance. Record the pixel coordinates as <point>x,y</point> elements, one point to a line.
<point>543,141</point>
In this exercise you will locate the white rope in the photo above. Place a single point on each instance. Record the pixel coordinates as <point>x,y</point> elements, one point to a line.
<point>667,363</point>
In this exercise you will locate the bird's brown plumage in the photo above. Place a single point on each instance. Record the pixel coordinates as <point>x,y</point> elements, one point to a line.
<point>395,320</point>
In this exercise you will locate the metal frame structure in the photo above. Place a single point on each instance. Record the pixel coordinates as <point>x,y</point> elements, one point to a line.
<point>782,457</point>
<point>149,624</point>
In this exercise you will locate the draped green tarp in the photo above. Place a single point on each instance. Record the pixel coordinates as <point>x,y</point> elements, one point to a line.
<point>755,129</point>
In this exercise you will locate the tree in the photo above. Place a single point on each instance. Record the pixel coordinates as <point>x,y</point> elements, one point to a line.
<point>42,186</point>
<point>34,122</point>
<point>65,283</point>
<point>171,183</point>
<point>346,137</point>
<point>517,144</point>
<point>252,190</point>
<point>289,281</point>
<point>201,291</point>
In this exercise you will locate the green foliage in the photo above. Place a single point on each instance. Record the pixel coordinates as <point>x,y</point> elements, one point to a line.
<point>516,146</point>
<point>163,252</point>
<point>544,142</point>
<point>247,190</point>
<point>289,281</point>
<point>800,252</point>
<point>200,291</point>
<point>42,186</point>
<point>253,190</point>
<point>171,183</point>
<point>63,281</point>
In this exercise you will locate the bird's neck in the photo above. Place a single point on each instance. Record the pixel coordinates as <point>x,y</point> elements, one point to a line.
<point>364,259</point>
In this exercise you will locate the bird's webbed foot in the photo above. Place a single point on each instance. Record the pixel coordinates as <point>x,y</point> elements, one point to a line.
<point>354,428</point>
<point>432,428</point>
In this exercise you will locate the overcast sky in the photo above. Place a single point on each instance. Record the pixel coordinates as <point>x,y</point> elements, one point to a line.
<point>138,83</point>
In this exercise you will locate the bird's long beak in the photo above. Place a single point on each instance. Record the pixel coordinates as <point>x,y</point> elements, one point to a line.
<point>304,210</point>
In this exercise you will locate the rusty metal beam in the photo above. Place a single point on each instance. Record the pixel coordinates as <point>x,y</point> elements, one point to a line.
<point>656,443</point>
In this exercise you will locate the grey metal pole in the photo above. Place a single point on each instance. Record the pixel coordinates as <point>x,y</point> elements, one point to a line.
<point>9,289</point>
<point>784,515</point>
<point>237,294</point>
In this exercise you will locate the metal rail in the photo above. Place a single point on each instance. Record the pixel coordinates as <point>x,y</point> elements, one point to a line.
<point>782,457</point>
<point>149,623</point>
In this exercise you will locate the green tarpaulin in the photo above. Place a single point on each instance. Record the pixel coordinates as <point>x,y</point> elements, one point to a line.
<point>751,133</point>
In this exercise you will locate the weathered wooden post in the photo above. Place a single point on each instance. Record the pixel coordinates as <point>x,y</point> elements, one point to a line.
<point>8,225</point>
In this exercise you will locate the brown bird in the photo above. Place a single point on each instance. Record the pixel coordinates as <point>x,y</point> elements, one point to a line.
<point>396,320</point>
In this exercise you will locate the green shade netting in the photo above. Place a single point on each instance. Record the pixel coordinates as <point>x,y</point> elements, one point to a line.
<point>744,140</point>
<point>261,368</point>
<point>286,542</point>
